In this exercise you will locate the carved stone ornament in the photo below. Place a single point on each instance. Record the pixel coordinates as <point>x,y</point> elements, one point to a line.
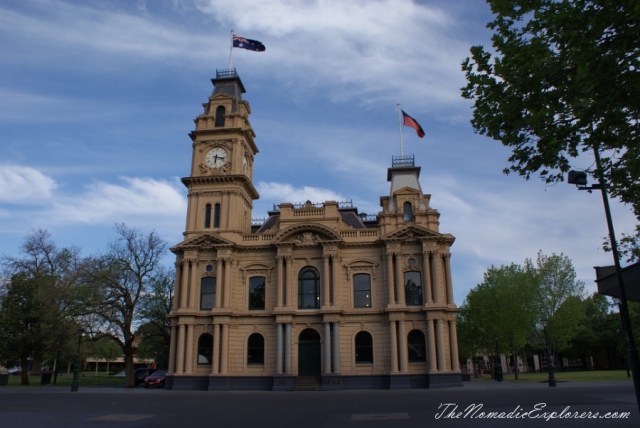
<point>307,238</point>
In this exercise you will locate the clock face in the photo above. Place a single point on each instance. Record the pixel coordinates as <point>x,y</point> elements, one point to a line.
<point>216,157</point>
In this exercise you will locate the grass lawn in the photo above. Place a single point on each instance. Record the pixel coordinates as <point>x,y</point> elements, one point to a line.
<point>86,379</point>
<point>586,376</point>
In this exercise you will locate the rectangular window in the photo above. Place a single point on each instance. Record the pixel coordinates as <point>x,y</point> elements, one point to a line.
<point>207,293</point>
<point>361,291</point>
<point>413,288</point>
<point>256,293</point>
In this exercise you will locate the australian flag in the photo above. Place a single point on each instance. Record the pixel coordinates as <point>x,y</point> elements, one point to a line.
<point>252,45</point>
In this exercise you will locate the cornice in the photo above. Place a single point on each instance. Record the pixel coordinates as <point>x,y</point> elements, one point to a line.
<point>223,179</point>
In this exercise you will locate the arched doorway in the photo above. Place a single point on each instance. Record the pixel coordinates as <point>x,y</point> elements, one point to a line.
<point>309,354</point>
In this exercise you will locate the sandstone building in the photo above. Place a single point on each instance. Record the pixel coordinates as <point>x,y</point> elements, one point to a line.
<point>317,296</point>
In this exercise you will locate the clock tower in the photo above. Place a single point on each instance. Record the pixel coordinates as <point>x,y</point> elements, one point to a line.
<point>221,192</point>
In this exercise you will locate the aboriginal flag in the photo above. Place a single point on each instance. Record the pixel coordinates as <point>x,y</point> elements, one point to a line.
<point>409,121</point>
<point>252,45</point>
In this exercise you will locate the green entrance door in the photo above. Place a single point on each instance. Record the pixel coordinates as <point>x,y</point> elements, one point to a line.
<point>309,354</point>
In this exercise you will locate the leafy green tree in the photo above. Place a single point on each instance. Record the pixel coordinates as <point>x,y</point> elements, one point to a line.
<point>156,330</point>
<point>506,304</point>
<point>32,320</point>
<point>564,80</point>
<point>120,279</point>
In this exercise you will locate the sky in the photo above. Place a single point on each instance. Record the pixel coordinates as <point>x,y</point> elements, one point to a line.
<point>97,100</point>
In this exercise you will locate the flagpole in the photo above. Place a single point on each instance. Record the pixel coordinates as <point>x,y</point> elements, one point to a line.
<point>400,130</point>
<point>231,50</point>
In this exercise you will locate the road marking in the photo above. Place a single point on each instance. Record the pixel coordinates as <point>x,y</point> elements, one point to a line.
<point>121,418</point>
<point>379,416</point>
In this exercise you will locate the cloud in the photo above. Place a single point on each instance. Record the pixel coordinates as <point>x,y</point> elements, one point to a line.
<point>351,48</point>
<point>138,198</point>
<point>22,184</point>
<point>277,193</point>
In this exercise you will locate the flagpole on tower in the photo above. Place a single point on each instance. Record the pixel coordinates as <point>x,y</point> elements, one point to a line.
<point>230,50</point>
<point>400,130</point>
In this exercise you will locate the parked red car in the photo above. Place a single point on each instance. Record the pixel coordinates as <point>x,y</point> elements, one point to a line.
<point>155,379</point>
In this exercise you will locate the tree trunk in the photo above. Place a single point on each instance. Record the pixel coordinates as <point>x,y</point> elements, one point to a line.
<point>129,367</point>
<point>24,364</point>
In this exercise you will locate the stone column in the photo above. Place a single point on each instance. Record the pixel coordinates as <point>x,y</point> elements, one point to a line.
<point>280,284</point>
<point>228,267</point>
<point>393,347</point>
<point>392,299</point>
<point>442,365</point>
<point>327,348</point>
<point>219,280</point>
<point>224,358</point>
<point>326,298</point>
<point>335,278</point>
<point>402,339</point>
<point>435,284</point>
<point>189,354</point>
<point>399,280</point>
<point>279,348</point>
<point>215,360</point>
<point>336,348</point>
<point>453,343</point>
<point>431,339</point>
<point>193,283</point>
<point>177,289</point>
<point>172,349</point>
<point>289,269</point>
<point>180,365</point>
<point>426,278</point>
<point>287,349</point>
<point>184,284</point>
<point>447,271</point>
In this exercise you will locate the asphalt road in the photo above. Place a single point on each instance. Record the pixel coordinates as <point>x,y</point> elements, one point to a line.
<point>139,407</point>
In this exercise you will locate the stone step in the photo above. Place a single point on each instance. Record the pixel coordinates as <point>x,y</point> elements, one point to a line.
<point>308,383</point>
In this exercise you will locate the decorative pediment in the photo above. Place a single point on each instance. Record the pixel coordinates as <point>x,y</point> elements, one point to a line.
<point>410,233</point>
<point>202,242</point>
<point>407,191</point>
<point>307,235</point>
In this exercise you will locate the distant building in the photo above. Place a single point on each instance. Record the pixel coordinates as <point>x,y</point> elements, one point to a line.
<point>316,296</point>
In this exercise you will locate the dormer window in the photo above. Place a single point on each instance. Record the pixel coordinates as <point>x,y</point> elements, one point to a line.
<point>219,116</point>
<point>408,211</point>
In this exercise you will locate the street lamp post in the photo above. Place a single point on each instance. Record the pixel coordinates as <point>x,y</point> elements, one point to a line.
<point>499,366</point>
<point>76,368</point>
<point>579,178</point>
<point>552,375</point>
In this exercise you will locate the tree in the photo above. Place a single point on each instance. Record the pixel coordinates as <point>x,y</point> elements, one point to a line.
<point>120,279</point>
<point>506,304</point>
<point>41,301</point>
<point>156,330</point>
<point>32,320</point>
<point>560,295</point>
<point>565,80</point>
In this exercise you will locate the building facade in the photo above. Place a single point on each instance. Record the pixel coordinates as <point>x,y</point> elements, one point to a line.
<point>317,296</point>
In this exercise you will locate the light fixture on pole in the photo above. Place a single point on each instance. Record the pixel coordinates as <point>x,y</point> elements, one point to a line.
<point>552,375</point>
<point>579,178</point>
<point>499,365</point>
<point>76,368</point>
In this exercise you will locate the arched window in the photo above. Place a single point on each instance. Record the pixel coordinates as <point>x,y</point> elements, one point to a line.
<point>256,293</point>
<point>361,290</point>
<point>219,116</point>
<point>205,349</point>
<point>207,216</point>
<point>408,211</point>
<point>308,289</point>
<point>417,347</point>
<point>413,288</point>
<point>207,293</point>
<point>216,215</point>
<point>364,348</point>
<point>255,350</point>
